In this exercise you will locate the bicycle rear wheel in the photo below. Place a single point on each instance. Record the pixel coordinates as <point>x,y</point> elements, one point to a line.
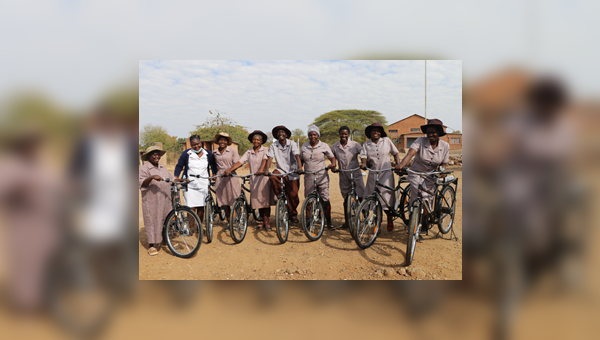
<point>239,221</point>
<point>413,232</point>
<point>404,205</point>
<point>313,218</point>
<point>368,222</point>
<point>282,221</point>
<point>209,219</point>
<point>352,204</point>
<point>447,205</point>
<point>183,232</point>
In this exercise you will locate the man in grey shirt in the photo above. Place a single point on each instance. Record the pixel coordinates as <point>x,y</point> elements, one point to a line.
<point>287,157</point>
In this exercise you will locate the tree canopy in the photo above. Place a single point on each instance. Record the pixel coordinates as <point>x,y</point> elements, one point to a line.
<point>153,133</point>
<point>219,122</point>
<point>357,120</point>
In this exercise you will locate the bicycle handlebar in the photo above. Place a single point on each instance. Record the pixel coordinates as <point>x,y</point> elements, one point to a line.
<point>428,173</point>
<point>245,176</point>
<point>345,170</point>
<point>211,177</point>
<point>382,170</point>
<point>314,172</point>
<point>281,175</point>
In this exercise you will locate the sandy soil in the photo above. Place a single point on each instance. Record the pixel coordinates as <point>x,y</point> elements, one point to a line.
<point>334,257</point>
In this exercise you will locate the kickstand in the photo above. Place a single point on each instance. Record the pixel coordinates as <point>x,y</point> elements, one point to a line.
<point>455,238</point>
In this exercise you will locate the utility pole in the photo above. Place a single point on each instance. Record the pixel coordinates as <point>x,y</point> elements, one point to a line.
<point>425,92</point>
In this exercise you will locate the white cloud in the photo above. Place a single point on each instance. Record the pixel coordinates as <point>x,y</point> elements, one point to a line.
<point>178,94</point>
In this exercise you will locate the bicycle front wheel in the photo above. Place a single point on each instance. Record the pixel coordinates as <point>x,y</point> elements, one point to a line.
<point>183,232</point>
<point>209,219</point>
<point>239,221</point>
<point>282,221</point>
<point>404,205</point>
<point>352,204</point>
<point>447,205</point>
<point>413,232</point>
<point>313,218</point>
<point>368,222</point>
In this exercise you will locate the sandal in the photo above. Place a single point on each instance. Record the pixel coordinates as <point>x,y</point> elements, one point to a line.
<point>152,251</point>
<point>390,226</point>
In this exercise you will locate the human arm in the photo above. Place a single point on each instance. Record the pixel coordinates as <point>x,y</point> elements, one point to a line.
<point>181,163</point>
<point>267,165</point>
<point>233,168</point>
<point>411,153</point>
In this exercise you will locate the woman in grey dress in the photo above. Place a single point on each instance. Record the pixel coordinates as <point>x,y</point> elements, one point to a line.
<point>431,153</point>
<point>376,155</point>
<point>227,188</point>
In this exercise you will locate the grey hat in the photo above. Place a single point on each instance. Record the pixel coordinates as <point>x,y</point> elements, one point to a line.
<point>315,129</point>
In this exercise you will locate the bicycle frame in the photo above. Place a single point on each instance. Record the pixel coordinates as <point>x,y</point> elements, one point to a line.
<point>377,191</point>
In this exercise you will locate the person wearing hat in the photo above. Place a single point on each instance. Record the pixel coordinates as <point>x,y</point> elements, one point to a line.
<point>261,196</point>
<point>227,188</point>
<point>312,157</point>
<point>346,153</point>
<point>196,161</point>
<point>156,196</point>
<point>376,154</point>
<point>287,157</point>
<point>430,154</point>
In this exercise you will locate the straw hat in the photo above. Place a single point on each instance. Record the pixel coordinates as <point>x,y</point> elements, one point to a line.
<point>149,151</point>
<point>223,134</point>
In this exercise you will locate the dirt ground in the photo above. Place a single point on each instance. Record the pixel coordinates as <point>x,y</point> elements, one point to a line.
<point>333,257</point>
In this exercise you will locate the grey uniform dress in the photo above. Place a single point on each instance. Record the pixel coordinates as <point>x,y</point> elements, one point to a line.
<point>427,159</point>
<point>227,188</point>
<point>314,159</point>
<point>261,195</point>
<point>378,158</point>
<point>156,200</point>
<point>346,156</point>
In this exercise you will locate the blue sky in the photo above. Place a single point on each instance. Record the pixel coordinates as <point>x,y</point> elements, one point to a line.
<point>263,94</point>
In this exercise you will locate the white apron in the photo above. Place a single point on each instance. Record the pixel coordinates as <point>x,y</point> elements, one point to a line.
<point>198,188</point>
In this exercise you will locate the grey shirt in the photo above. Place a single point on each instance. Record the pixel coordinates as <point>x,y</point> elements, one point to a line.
<point>284,156</point>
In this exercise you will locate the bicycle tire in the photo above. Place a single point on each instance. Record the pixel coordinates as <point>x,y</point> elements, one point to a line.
<point>238,221</point>
<point>404,205</point>
<point>282,221</point>
<point>413,232</point>
<point>314,225</point>
<point>368,222</point>
<point>256,215</point>
<point>183,243</point>
<point>447,206</point>
<point>352,203</point>
<point>209,219</point>
<point>67,292</point>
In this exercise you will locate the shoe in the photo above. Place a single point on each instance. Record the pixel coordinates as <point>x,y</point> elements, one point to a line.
<point>258,227</point>
<point>152,251</point>
<point>330,226</point>
<point>390,226</point>
<point>344,226</point>
<point>294,219</point>
<point>268,228</point>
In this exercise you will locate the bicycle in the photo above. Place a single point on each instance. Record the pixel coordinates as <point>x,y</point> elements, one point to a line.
<point>240,211</point>
<point>313,224</point>
<point>182,228</point>
<point>442,213</point>
<point>352,201</point>
<point>282,221</point>
<point>370,214</point>
<point>212,208</point>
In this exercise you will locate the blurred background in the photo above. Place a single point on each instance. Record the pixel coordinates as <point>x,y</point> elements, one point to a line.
<point>68,121</point>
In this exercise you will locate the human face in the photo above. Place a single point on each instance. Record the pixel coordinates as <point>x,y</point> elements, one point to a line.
<point>154,157</point>
<point>313,137</point>
<point>281,135</point>
<point>222,142</point>
<point>432,135</point>
<point>257,141</point>
<point>375,134</point>
<point>195,144</point>
<point>344,136</point>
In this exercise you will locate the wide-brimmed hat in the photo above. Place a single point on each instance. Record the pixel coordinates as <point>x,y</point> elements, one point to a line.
<point>281,127</point>
<point>222,134</point>
<point>435,123</point>
<point>263,135</point>
<point>150,149</point>
<point>372,126</point>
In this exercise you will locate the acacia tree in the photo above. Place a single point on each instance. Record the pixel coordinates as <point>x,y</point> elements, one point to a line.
<point>357,120</point>
<point>219,122</point>
<point>299,137</point>
<point>154,133</point>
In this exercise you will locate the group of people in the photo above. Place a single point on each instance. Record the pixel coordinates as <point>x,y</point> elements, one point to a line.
<point>430,153</point>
